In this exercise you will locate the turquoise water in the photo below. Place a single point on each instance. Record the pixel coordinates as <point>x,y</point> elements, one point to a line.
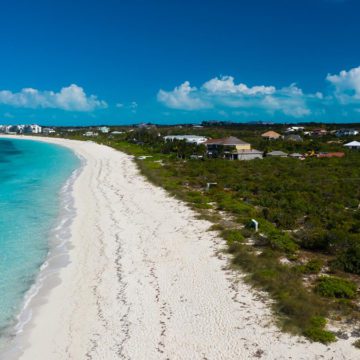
<point>32,175</point>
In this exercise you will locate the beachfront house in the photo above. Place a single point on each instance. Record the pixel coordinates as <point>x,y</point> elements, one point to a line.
<point>191,139</point>
<point>271,135</point>
<point>232,148</point>
<point>354,145</point>
<point>277,153</point>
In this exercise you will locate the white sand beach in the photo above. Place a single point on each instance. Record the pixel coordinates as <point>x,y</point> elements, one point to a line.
<point>145,282</point>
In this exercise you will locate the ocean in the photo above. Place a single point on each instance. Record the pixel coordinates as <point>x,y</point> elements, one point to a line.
<point>32,180</point>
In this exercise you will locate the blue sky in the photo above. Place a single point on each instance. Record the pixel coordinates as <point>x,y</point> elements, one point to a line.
<point>91,62</point>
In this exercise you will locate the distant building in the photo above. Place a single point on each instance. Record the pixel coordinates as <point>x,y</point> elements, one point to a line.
<point>232,148</point>
<point>296,156</point>
<point>354,145</point>
<point>271,135</point>
<point>277,153</point>
<point>294,129</point>
<point>331,155</point>
<point>346,132</point>
<point>293,137</point>
<point>104,129</point>
<point>192,139</point>
<point>48,131</point>
<point>91,134</point>
<point>319,132</point>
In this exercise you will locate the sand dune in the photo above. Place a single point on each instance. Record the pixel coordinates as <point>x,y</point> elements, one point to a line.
<point>144,282</point>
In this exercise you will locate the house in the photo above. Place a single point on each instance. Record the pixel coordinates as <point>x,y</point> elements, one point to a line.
<point>192,139</point>
<point>271,135</point>
<point>104,129</point>
<point>354,145</point>
<point>48,131</point>
<point>248,154</point>
<point>277,153</point>
<point>116,132</point>
<point>232,148</point>
<point>91,134</point>
<point>294,129</point>
<point>296,156</point>
<point>319,132</point>
<point>346,132</point>
<point>293,137</point>
<point>331,155</point>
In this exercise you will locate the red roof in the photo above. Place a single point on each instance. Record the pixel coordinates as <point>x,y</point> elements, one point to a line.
<point>331,154</point>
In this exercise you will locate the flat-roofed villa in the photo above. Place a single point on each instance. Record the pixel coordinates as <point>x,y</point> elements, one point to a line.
<point>193,139</point>
<point>232,148</point>
<point>277,153</point>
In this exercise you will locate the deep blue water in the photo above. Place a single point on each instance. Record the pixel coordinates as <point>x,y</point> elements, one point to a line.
<point>31,177</point>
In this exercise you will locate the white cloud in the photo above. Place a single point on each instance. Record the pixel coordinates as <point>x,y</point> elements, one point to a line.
<point>183,97</point>
<point>71,98</point>
<point>226,85</point>
<point>346,84</point>
<point>224,93</point>
<point>119,105</point>
<point>134,105</point>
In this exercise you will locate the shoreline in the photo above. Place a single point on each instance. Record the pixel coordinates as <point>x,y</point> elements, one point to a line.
<point>59,236</point>
<point>144,281</point>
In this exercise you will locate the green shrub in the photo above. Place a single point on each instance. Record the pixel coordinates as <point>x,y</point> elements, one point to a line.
<point>282,242</point>
<point>334,287</point>
<point>317,334</point>
<point>232,236</point>
<point>313,266</point>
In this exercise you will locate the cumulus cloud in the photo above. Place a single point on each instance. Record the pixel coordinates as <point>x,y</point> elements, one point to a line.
<point>226,85</point>
<point>224,92</point>
<point>183,97</point>
<point>347,85</point>
<point>71,98</point>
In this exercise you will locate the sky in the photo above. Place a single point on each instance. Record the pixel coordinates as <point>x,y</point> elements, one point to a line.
<point>129,61</point>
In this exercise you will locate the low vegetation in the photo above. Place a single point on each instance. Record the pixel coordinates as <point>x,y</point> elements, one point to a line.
<point>306,255</point>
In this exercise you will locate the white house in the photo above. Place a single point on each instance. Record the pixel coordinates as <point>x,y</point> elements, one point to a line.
<point>194,139</point>
<point>91,134</point>
<point>355,145</point>
<point>104,129</point>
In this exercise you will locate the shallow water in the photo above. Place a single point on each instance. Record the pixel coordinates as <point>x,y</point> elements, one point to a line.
<point>32,175</point>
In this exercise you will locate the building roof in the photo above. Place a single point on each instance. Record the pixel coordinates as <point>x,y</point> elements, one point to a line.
<point>296,155</point>
<point>230,141</point>
<point>331,154</point>
<point>294,137</point>
<point>271,134</point>
<point>353,143</point>
<point>277,153</point>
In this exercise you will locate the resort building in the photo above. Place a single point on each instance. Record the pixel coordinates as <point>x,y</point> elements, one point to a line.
<point>192,139</point>
<point>271,135</point>
<point>232,148</point>
<point>354,145</point>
